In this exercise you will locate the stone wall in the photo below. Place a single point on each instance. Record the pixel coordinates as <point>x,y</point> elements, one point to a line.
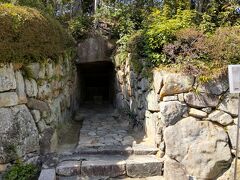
<point>193,124</point>
<point>34,99</point>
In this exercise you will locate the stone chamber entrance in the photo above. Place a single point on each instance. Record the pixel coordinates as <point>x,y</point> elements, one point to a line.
<point>96,82</point>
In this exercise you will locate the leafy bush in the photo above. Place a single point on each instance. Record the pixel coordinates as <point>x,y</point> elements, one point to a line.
<point>224,45</point>
<point>80,26</point>
<point>27,35</point>
<point>161,30</point>
<point>22,171</point>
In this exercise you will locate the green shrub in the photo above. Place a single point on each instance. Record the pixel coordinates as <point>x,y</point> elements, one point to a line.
<point>22,171</point>
<point>80,26</point>
<point>161,30</point>
<point>27,35</point>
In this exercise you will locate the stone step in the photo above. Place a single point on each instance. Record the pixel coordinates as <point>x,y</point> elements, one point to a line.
<point>107,178</point>
<point>87,166</point>
<point>137,149</point>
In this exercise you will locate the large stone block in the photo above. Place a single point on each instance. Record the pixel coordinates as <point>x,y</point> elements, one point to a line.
<point>18,133</point>
<point>201,100</point>
<point>143,166</point>
<point>200,146</point>
<point>7,78</point>
<point>8,99</point>
<point>175,84</point>
<point>108,167</point>
<point>215,87</point>
<point>172,111</point>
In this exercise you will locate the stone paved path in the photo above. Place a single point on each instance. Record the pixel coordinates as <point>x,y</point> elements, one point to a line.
<point>103,127</point>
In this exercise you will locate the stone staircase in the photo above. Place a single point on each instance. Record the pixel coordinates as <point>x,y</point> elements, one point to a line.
<point>100,163</point>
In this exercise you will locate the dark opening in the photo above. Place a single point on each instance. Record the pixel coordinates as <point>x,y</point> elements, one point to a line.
<point>96,81</point>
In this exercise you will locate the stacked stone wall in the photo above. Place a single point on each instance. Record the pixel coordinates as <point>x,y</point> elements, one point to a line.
<point>192,123</point>
<point>34,99</point>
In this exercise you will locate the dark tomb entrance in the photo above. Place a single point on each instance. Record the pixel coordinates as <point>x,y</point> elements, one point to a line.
<point>96,81</point>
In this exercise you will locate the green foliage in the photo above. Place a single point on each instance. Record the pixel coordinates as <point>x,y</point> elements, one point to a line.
<point>80,26</point>
<point>161,30</point>
<point>120,19</point>
<point>27,35</point>
<point>22,171</point>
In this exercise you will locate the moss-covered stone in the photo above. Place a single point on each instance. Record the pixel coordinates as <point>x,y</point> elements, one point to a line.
<point>27,35</point>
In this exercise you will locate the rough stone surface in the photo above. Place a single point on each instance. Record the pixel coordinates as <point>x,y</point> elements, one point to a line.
<point>197,113</point>
<point>18,133</point>
<point>232,132</point>
<point>201,147</point>
<point>175,84</point>
<point>201,100</point>
<point>229,105</point>
<point>31,87</point>
<point>152,100</point>
<point>144,84</point>
<point>108,167</point>
<point>36,115</point>
<point>157,81</point>
<point>150,126</point>
<point>173,170</point>
<point>172,111</point>
<point>7,79</point>
<point>47,174</point>
<point>8,99</point>
<point>35,69</point>
<point>220,117</point>
<point>22,98</point>
<point>228,175</point>
<point>170,98</point>
<point>38,105</point>
<point>143,166</point>
<point>215,87</point>
<point>69,168</point>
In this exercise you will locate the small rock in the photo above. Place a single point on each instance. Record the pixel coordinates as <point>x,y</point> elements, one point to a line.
<point>220,117</point>
<point>207,110</point>
<point>170,98</point>
<point>197,113</point>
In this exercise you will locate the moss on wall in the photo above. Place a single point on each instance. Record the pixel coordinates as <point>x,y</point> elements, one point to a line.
<point>27,35</point>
